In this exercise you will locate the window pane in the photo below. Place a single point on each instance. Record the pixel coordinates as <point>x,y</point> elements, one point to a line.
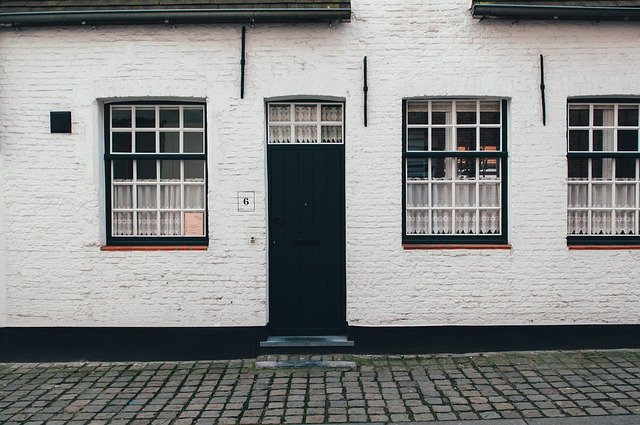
<point>441,112</point>
<point>600,222</point>
<point>193,142</point>
<point>625,222</point>
<point>579,140</point>
<point>170,196</point>
<point>331,113</point>
<point>489,112</point>
<point>626,195</point>
<point>489,168</point>
<point>603,115</point>
<point>627,140</point>
<point>418,195</point>
<point>122,224</point>
<point>170,170</point>
<point>442,222</point>
<point>489,139</point>
<point>170,224</point>
<point>279,134</point>
<point>147,223</point>
<point>170,117</point>
<point>194,170</point>
<point>465,222</point>
<point>122,196</point>
<point>306,134</point>
<point>578,196</point>
<point>169,142</point>
<point>441,139</point>
<point>121,117</point>
<point>466,112</point>
<point>194,196</point>
<point>306,113</point>
<point>442,195</point>
<point>466,139</point>
<point>417,222</point>
<point>489,222</point>
<point>279,113</point>
<point>331,133</point>
<point>626,168</point>
<point>417,169</point>
<point>418,139</point>
<point>489,194</point>
<point>121,142</point>
<point>601,168</point>
<point>193,117</point>
<point>578,168</point>
<point>601,195</point>
<point>577,222</point>
<point>628,115</point>
<point>145,118</point>
<point>603,140</point>
<point>146,169</point>
<point>579,115</point>
<point>418,112</point>
<point>122,170</point>
<point>466,195</point>
<point>442,168</point>
<point>147,196</point>
<point>145,142</point>
<point>466,168</point>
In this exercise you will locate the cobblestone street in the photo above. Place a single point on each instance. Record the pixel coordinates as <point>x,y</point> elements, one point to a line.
<point>378,389</point>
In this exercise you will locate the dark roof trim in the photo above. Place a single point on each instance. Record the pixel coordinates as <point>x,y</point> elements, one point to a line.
<point>182,16</point>
<point>585,13</point>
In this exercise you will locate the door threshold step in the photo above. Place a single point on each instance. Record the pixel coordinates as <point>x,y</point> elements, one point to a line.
<point>307,341</point>
<point>306,364</point>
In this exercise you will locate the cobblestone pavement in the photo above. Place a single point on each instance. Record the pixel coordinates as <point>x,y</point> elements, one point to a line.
<point>378,389</point>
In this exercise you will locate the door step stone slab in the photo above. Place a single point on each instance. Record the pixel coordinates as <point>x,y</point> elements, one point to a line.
<point>306,341</point>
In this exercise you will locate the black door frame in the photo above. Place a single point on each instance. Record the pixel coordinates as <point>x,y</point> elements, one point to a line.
<point>343,290</point>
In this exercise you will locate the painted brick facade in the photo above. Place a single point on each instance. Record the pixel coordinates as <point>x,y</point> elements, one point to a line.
<point>52,222</point>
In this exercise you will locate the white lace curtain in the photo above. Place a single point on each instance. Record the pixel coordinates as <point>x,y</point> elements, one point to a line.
<point>442,220</point>
<point>601,221</point>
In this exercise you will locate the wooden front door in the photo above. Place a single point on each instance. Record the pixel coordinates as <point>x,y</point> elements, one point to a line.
<point>306,239</point>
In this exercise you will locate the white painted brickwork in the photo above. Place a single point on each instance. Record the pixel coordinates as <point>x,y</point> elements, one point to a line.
<point>52,221</point>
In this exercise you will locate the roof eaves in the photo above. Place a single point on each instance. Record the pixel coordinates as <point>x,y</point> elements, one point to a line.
<point>550,12</point>
<point>175,16</point>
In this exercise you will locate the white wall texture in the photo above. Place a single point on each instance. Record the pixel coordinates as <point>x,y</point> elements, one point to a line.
<point>53,220</point>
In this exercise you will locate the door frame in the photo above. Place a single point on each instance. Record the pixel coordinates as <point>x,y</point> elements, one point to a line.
<point>343,290</point>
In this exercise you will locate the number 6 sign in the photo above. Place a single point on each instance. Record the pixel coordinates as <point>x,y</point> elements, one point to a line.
<point>246,201</point>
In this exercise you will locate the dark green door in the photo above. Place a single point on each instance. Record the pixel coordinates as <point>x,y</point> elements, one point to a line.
<point>306,239</point>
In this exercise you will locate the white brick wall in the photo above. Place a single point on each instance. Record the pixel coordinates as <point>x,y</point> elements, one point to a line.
<point>53,215</point>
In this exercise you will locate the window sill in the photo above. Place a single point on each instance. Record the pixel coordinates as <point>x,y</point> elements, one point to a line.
<point>408,246</point>
<point>153,248</point>
<point>602,247</point>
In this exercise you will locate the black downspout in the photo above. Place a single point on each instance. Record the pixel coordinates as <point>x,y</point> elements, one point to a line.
<point>242,63</point>
<point>544,105</point>
<point>365,89</point>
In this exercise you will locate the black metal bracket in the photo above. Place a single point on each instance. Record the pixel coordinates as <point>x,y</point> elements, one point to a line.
<point>242,62</point>
<point>365,89</point>
<point>542,87</point>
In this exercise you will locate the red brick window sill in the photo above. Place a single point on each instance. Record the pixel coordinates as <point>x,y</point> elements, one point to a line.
<point>154,248</point>
<point>602,247</point>
<point>455,246</point>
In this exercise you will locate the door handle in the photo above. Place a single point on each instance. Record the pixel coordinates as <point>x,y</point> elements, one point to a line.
<point>306,242</point>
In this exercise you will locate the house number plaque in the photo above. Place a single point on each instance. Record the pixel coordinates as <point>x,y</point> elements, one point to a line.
<point>246,201</point>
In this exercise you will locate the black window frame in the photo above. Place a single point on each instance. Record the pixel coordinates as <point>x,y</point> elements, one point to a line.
<point>135,240</point>
<point>502,154</point>
<point>594,240</point>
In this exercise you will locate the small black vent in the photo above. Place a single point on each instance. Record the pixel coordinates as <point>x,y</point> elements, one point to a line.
<point>61,122</point>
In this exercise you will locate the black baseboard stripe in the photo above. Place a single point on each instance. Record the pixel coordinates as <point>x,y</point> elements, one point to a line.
<point>165,344</point>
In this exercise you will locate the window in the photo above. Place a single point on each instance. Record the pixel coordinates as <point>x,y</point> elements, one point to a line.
<point>155,168</point>
<point>454,169</point>
<point>305,123</point>
<point>602,178</point>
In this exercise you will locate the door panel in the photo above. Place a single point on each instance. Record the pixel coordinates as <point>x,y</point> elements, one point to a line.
<point>306,240</point>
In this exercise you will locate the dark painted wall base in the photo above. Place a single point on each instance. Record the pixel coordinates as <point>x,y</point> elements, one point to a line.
<point>154,344</point>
